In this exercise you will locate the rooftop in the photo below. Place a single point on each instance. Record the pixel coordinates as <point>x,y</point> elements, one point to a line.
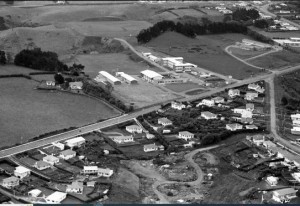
<point>186,133</point>
<point>151,74</point>
<point>285,191</point>
<point>21,169</point>
<point>75,140</point>
<point>56,196</point>
<point>68,152</point>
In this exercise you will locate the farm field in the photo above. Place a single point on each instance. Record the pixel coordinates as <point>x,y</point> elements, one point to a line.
<point>111,63</point>
<point>13,69</point>
<point>277,60</point>
<point>142,94</point>
<point>26,112</point>
<point>245,54</point>
<point>182,87</point>
<point>205,51</point>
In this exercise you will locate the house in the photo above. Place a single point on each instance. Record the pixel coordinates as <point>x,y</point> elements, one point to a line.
<point>250,107</point>
<point>189,144</point>
<point>251,95</point>
<point>177,105</point>
<point>90,170</point>
<point>51,159</point>
<point>76,85</point>
<point>258,111</point>
<point>105,172</point>
<point>284,195</point>
<point>207,102</point>
<point>251,126</point>
<point>268,144</point>
<point>67,154</point>
<point>272,181</point>
<point>296,176</point>
<point>233,93</point>
<point>75,142</point>
<point>244,113</point>
<point>10,182</point>
<point>34,193</point>
<point>208,115</point>
<point>41,165</point>
<point>185,135</point>
<point>295,130</point>
<point>134,129</point>
<point>150,136</point>
<point>234,127</point>
<point>21,172</point>
<point>164,121</point>
<point>295,117</point>
<point>257,139</point>
<point>256,88</point>
<point>58,145</point>
<point>246,120</point>
<point>218,100</point>
<point>91,184</point>
<point>50,83</point>
<point>56,197</point>
<point>122,139</point>
<point>75,187</point>
<point>152,147</point>
<point>296,123</point>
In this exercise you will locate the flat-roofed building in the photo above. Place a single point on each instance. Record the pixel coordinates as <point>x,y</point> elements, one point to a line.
<point>110,78</point>
<point>122,139</point>
<point>21,172</point>
<point>151,76</point>
<point>208,115</point>
<point>75,142</point>
<point>284,195</point>
<point>56,197</point>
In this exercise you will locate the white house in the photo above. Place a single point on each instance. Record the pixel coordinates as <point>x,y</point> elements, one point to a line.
<point>75,187</point>
<point>122,139</point>
<point>207,102</point>
<point>51,159</point>
<point>256,88</point>
<point>257,139</point>
<point>296,176</point>
<point>152,147</point>
<point>177,105</point>
<point>250,107</point>
<point>164,121</point>
<point>67,154</point>
<point>284,195</point>
<point>150,136</point>
<point>75,142</point>
<point>76,85</point>
<point>105,172</point>
<point>295,117</point>
<point>34,193</point>
<point>251,95</point>
<point>208,115</point>
<point>296,123</point>
<point>218,100</point>
<point>56,197</point>
<point>134,129</point>
<point>234,127</point>
<point>295,130</point>
<point>41,165</point>
<point>251,126</point>
<point>244,113</point>
<point>10,182</point>
<point>185,135</point>
<point>21,172</point>
<point>58,145</point>
<point>90,170</point>
<point>246,120</point>
<point>272,181</point>
<point>233,93</point>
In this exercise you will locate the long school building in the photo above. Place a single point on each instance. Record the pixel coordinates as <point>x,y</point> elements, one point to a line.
<point>176,63</point>
<point>110,78</point>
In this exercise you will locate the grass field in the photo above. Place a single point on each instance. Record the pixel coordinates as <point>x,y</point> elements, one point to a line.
<point>181,87</point>
<point>13,69</point>
<point>111,63</point>
<point>195,92</point>
<point>206,51</point>
<point>277,34</point>
<point>26,112</point>
<point>245,54</point>
<point>142,94</point>
<point>277,60</point>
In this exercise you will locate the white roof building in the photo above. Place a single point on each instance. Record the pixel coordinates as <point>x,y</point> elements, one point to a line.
<point>51,159</point>
<point>34,193</point>
<point>134,128</point>
<point>21,172</point>
<point>56,197</point>
<point>110,77</point>
<point>127,78</point>
<point>75,142</point>
<point>122,139</point>
<point>58,145</point>
<point>151,76</point>
<point>208,115</point>
<point>295,116</point>
<point>272,180</point>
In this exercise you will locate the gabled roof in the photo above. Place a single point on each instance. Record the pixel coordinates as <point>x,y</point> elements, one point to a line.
<point>90,167</point>
<point>186,133</point>
<point>149,146</point>
<point>285,191</point>
<point>104,170</point>
<point>165,120</point>
<point>75,140</point>
<point>41,163</point>
<point>68,152</point>
<point>209,114</point>
<point>10,179</point>
<point>21,169</point>
<point>50,158</point>
<point>151,74</point>
<point>121,137</point>
<point>258,137</point>
<point>133,127</point>
<point>75,185</point>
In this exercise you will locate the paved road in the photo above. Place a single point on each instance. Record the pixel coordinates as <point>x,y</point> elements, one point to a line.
<point>197,182</point>
<point>74,133</point>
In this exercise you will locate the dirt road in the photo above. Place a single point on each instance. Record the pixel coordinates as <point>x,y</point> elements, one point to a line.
<point>189,158</point>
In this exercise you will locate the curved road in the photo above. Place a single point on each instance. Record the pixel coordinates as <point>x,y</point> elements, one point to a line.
<point>189,158</point>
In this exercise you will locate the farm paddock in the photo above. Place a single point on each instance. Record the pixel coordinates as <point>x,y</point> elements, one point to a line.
<point>26,112</point>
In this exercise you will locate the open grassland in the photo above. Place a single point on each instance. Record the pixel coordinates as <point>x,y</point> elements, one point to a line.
<point>205,51</point>
<point>277,60</point>
<point>13,69</point>
<point>26,112</point>
<point>142,94</point>
<point>111,63</point>
<point>182,87</point>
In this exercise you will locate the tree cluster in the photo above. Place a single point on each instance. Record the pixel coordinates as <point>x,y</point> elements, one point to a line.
<point>190,30</point>
<point>95,90</point>
<point>3,59</point>
<point>261,23</point>
<point>242,14</point>
<point>40,60</point>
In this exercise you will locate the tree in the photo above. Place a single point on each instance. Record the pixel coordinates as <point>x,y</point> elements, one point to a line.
<point>3,59</point>
<point>59,79</point>
<point>261,23</point>
<point>284,101</point>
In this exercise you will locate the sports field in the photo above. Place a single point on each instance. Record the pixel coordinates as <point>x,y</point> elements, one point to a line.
<point>206,51</point>
<point>26,112</point>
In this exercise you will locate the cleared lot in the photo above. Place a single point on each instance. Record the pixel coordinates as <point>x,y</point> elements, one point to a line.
<point>26,112</point>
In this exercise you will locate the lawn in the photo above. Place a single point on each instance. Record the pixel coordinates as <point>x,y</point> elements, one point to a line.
<point>195,92</point>
<point>181,87</point>
<point>245,54</point>
<point>111,63</point>
<point>26,112</point>
<point>13,69</point>
<point>277,60</point>
<point>206,51</point>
